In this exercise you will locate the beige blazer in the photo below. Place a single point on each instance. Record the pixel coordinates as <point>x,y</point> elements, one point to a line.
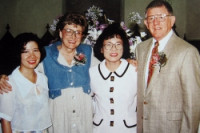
<point>171,103</point>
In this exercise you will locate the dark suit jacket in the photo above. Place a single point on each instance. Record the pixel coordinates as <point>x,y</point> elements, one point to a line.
<point>171,103</point>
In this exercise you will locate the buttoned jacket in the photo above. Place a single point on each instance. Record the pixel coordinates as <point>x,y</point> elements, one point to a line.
<point>114,98</point>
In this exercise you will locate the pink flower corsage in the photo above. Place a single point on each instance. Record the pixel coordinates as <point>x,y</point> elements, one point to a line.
<point>160,59</point>
<point>80,59</point>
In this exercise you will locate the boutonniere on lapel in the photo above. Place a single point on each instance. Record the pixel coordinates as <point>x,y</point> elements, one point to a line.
<point>80,59</point>
<point>160,59</point>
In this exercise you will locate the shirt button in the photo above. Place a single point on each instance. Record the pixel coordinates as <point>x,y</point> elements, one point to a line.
<point>71,83</point>
<point>70,70</point>
<point>74,111</point>
<point>74,125</point>
<point>111,123</point>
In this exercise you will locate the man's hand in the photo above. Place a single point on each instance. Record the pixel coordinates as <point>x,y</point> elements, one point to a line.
<point>5,87</point>
<point>133,62</point>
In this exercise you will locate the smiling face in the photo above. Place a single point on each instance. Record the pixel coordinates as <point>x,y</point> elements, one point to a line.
<point>71,36</point>
<point>30,56</point>
<point>113,49</point>
<point>159,29</point>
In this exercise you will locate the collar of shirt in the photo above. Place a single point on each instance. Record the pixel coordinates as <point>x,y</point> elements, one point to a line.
<point>61,59</point>
<point>120,70</point>
<point>24,86</point>
<point>163,42</point>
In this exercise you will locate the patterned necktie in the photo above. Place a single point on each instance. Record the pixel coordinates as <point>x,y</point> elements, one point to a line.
<point>152,61</point>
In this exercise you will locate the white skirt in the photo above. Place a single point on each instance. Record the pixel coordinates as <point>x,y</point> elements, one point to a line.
<point>71,112</point>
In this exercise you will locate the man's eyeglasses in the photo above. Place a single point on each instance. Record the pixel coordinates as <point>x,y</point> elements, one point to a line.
<point>109,46</point>
<point>159,17</point>
<point>70,32</point>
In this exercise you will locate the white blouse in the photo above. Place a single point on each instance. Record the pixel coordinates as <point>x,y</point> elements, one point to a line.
<point>114,98</point>
<point>26,106</point>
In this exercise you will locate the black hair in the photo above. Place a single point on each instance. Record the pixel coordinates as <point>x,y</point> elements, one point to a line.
<point>111,31</point>
<point>21,41</point>
<point>159,3</point>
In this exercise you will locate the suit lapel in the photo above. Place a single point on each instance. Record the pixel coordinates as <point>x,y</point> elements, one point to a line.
<point>146,53</point>
<point>170,45</point>
<point>168,48</point>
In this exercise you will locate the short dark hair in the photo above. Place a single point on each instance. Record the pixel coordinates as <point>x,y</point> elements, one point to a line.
<point>159,3</point>
<point>111,31</point>
<point>72,18</point>
<point>21,41</point>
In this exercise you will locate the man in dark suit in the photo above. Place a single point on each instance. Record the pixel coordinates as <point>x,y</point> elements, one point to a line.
<point>168,101</point>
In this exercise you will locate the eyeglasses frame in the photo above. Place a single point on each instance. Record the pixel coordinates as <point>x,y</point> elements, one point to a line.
<point>116,44</point>
<point>159,17</point>
<point>70,32</point>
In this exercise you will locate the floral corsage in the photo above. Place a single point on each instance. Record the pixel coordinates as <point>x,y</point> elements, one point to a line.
<point>160,59</point>
<point>80,59</point>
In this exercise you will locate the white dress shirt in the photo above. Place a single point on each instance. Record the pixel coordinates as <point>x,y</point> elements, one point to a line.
<point>27,105</point>
<point>162,44</point>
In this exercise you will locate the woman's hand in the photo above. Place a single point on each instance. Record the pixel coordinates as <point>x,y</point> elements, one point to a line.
<point>5,87</point>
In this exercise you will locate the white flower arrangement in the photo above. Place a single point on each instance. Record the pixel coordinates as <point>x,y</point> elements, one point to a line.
<point>135,17</point>
<point>92,36</point>
<point>97,22</point>
<point>133,40</point>
<point>53,25</point>
<point>93,14</point>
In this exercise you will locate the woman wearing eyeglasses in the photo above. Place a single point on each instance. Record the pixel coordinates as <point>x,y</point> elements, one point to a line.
<point>113,84</point>
<point>67,67</point>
